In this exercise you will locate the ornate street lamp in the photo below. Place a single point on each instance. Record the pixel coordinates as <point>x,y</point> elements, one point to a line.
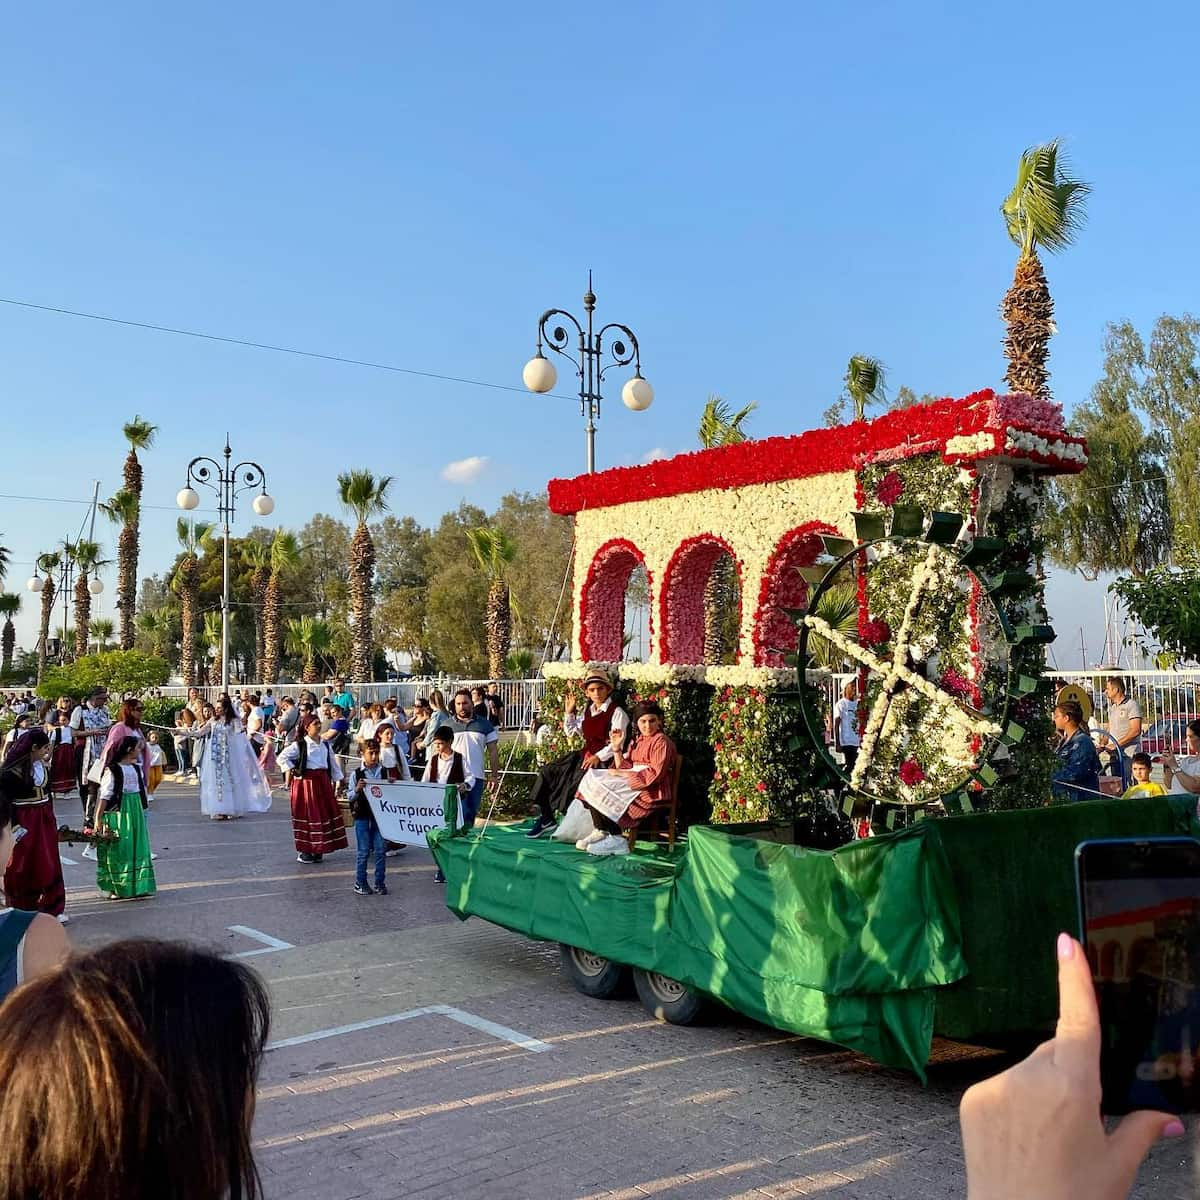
<point>539,374</point>
<point>228,482</point>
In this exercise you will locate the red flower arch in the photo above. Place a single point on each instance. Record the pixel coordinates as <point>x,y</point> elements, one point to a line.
<point>783,588</point>
<point>602,602</point>
<point>681,603</point>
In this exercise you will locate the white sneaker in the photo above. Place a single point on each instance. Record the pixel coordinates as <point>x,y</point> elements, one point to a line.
<point>590,840</point>
<point>63,918</point>
<point>153,857</point>
<point>88,852</point>
<point>611,843</point>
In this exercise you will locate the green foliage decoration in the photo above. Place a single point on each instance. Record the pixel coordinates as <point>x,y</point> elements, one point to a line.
<point>120,671</point>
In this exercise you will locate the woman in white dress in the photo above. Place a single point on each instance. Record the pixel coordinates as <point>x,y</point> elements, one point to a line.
<point>231,781</point>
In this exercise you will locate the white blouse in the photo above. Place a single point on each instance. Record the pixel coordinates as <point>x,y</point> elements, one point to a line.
<point>319,758</point>
<point>390,757</point>
<point>437,770</point>
<point>130,782</point>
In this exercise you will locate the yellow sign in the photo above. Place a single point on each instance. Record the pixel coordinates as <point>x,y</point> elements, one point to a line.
<point>1074,692</point>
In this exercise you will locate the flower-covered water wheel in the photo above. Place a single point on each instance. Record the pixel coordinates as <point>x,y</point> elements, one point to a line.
<point>935,681</point>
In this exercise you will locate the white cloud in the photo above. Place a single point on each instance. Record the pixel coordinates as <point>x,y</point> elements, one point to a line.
<point>655,454</point>
<point>465,470</point>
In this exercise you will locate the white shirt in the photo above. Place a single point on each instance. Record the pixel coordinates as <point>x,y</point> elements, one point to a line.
<point>437,770</point>
<point>319,758</point>
<point>130,782</point>
<point>389,756</point>
<point>845,716</point>
<point>1189,764</point>
<point>368,726</point>
<point>573,723</point>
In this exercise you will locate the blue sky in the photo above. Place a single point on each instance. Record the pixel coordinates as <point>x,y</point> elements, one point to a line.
<point>762,190</point>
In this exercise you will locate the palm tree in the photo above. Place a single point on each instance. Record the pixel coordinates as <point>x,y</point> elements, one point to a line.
<point>193,537</point>
<point>494,552</point>
<point>5,555</point>
<point>210,640</point>
<point>123,509</point>
<point>285,555</point>
<point>10,605</point>
<point>258,555</point>
<point>1045,208</point>
<point>87,562</point>
<point>839,606</point>
<point>101,630</point>
<point>139,433</point>
<point>720,426</point>
<point>865,381</point>
<point>366,497</point>
<point>309,637</point>
<point>156,626</point>
<point>46,564</point>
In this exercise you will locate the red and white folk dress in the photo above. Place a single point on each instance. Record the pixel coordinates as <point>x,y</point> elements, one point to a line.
<point>317,824</point>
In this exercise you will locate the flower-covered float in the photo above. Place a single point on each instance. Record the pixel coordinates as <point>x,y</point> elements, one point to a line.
<point>929,519</point>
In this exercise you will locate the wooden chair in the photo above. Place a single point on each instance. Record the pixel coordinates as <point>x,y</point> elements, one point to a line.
<point>631,835</point>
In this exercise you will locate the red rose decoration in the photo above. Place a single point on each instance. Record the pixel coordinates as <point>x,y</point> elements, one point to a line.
<point>890,489</point>
<point>762,787</point>
<point>956,683</point>
<point>911,773</point>
<point>875,633</point>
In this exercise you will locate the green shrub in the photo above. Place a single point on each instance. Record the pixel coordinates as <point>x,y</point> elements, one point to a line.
<point>120,671</point>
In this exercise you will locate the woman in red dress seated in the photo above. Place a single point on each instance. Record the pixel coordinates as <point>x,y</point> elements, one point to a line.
<point>639,782</point>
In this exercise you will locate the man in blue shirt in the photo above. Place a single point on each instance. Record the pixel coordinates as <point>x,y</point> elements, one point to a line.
<point>343,697</point>
<point>1078,773</point>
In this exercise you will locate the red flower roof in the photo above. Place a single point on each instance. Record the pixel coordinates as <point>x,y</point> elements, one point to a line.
<point>902,432</point>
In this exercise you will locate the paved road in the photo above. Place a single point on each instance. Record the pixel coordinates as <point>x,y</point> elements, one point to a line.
<point>471,1069</point>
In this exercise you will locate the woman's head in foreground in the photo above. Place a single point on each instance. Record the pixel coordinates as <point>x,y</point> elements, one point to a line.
<point>129,1074</point>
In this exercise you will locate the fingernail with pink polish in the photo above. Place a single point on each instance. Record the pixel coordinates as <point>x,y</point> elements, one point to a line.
<point>1066,947</point>
<point>1173,1129</point>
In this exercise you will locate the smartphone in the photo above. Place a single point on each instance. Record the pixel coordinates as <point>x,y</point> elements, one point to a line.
<point>1139,918</point>
<point>19,831</point>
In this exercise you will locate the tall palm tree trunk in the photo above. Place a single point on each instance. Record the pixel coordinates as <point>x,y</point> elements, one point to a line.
<point>311,674</point>
<point>188,570</point>
<point>48,594</point>
<point>1028,310</point>
<point>272,634</point>
<point>127,560</point>
<point>83,615</point>
<point>499,626</point>
<point>8,643</point>
<point>258,586</point>
<point>362,577</point>
<point>718,601</point>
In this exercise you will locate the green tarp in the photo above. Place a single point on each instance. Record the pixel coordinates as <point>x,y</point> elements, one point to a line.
<point>864,946</point>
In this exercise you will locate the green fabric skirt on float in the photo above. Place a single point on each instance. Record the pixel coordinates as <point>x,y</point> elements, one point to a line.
<point>123,867</point>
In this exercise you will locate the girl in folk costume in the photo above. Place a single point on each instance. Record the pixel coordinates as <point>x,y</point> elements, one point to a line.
<point>157,764</point>
<point>639,782</point>
<point>62,754</point>
<point>34,879</point>
<point>231,781</point>
<point>312,769</point>
<point>123,867</point>
<point>391,757</point>
<point>262,741</point>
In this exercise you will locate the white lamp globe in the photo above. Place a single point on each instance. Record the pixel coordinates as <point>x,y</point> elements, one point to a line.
<point>187,499</point>
<point>539,374</point>
<point>264,505</point>
<point>35,583</point>
<point>637,395</point>
<point>95,586</point>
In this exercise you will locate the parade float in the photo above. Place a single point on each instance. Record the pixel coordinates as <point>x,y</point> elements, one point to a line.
<point>939,916</point>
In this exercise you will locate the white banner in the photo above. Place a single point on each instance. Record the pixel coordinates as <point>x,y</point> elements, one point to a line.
<point>406,811</point>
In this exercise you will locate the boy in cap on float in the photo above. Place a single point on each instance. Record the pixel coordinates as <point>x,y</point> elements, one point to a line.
<point>558,781</point>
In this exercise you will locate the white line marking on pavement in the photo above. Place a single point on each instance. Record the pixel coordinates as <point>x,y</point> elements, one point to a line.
<point>271,943</point>
<point>502,1032</point>
<point>67,862</point>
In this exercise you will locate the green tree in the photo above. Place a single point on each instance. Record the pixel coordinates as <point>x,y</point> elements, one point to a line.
<point>366,497</point>
<point>87,562</point>
<point>402,575</point>
<point>5,556</point>
<point>157,626</point>
<point>258,556</point>
<point>1117,515</point>
<point>905,397</point>
<point>101,630</point>
<point>123,508</point>
<point>721,426</point>
<point>194,537</point>
<point>47,566</point>
<point>122,672</point>
<point>1166,603</point>
<point>210,647</point>
<point>494,553</point>
<point>310,638</point>
<point>10,605</point>
<point>285,558</point>
<point>1044,209</point>
<point>865,382</point>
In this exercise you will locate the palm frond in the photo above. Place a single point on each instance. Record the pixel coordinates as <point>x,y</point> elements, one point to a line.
<point>10,604</point>
<point>194,536</point>
<point>1046,206</point>
<point>866,383</point>
<point>285,551</point>
<point>720,425</point>
<point>122,507</point>
<point>363,493</point>
<point>139,433</point>
<point>839,606</point>
<point>494,550</point>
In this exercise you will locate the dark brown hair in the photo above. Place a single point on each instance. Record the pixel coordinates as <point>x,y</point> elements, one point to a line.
<point>131,713</point>
<point>154,1050</point>
<point>1072,710</point>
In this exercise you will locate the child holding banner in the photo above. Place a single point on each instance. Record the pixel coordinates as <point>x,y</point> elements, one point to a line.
<point>367,837</point>
<point>447,765</point>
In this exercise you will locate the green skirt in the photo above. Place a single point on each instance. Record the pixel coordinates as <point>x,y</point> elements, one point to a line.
<point>123,867</point>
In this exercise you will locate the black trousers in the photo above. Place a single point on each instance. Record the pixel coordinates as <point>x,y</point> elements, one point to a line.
<point>556,784</point>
